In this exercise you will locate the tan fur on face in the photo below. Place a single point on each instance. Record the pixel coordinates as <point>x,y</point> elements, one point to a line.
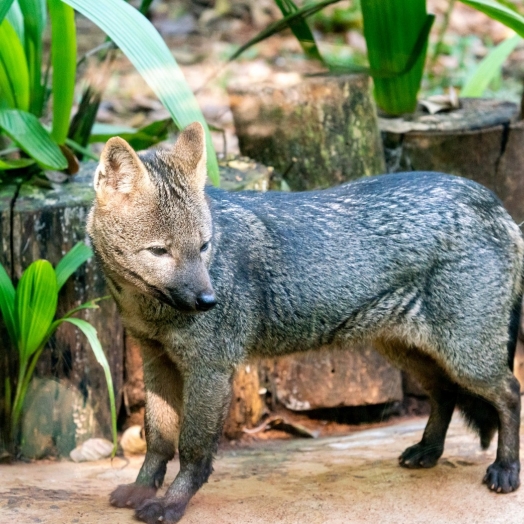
<point>120,170</point>
<point>189,153</point>
<point>154,201</point>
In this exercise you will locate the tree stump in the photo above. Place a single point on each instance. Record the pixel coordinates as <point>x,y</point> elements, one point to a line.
<point>337,376</point>
<point>474,141</point>
<point>47,223</point>
<point>509,182</point>
<point>247,405</point>
<point>317,132</point>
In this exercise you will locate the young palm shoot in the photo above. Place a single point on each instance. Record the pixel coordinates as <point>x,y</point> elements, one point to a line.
<point>29,316</point>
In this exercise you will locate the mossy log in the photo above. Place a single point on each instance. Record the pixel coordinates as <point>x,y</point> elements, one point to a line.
<point>46,224</point>
<point>317,132</point>
<point>479,141</point>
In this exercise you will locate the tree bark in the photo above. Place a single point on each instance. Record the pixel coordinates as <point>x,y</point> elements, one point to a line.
<point>46,224</point>
<point>317,133</point>
<point>475,141</point>
<point>341,375</point>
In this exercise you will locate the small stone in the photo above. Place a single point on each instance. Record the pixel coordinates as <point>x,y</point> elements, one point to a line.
<point>92,449</point>
<point>132,441</point>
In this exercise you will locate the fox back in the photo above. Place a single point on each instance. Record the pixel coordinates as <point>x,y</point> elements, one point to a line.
<point>427,266</point>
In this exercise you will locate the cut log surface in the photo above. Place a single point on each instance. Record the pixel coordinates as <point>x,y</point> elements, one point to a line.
<point>317,132</point>
<point>480,141</point>
<point>247,405</point>
<point>474,113</point>
<point>354,375</point>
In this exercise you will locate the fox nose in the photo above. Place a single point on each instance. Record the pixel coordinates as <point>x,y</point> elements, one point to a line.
<point>205,301</point>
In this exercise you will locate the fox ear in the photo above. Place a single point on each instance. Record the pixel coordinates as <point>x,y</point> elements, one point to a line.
<point>120,170</point>
<point>190,154</point>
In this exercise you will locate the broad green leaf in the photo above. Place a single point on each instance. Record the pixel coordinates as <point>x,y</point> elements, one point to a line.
<point>35,306</point>
<point>63,59</point>
<point>90,332</point>
<point>280,25</point>
<point>138,138</point>
<point>71,261</point>
<point>35,21</point>
<point>103,130</point>
<point>7,304</point>
<point>16,19</point>
<point>489,67</point>
<point>300,29</point>
<point>17,163</point>
<point>5,5</point>
<point>144,47</point>
<point>14,75</point>
<point>394,32</point>
<point>418,48</point>
<point>499,12</point>
<point>29,134</point>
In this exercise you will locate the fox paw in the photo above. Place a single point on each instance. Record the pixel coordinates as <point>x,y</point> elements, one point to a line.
<point>503,478</point>
<point>420,456</point>
<point>154,511</point>
<point>131,495</point>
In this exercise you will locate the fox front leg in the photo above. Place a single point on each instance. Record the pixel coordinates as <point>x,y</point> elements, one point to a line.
<point>164,399</point>
<point>207,397</point>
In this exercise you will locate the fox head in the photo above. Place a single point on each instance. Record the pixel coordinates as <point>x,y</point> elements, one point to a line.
<point>151,224</point>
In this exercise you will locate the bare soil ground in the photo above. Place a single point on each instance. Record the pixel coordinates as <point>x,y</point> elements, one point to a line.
<point>343,479</point>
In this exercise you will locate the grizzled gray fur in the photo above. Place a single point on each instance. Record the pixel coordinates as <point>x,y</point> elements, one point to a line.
<point>427,266</point>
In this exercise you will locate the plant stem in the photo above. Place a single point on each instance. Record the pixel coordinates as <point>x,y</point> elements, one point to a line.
<point>440,38</point>
<point>17,403</point>
<point>144,6</point>
<point>24,378</point>
<point>7,386</point>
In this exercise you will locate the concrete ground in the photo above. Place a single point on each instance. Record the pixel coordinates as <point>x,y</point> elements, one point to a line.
<point>336,480</point>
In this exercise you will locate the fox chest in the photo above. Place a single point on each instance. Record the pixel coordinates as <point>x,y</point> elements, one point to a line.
<point>152,321</point>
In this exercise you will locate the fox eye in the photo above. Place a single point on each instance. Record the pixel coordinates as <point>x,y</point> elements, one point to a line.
<point>157,251</point>
<point>204,247</point>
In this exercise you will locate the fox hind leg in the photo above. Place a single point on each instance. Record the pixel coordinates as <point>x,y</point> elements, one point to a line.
<point>442,394</point>
<point>503,475</point>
